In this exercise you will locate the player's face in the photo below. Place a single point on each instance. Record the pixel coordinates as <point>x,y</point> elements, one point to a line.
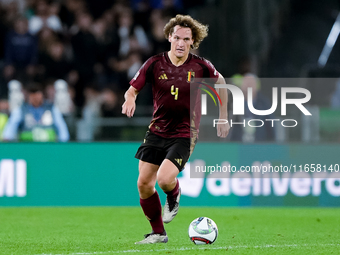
<point>181,40</point>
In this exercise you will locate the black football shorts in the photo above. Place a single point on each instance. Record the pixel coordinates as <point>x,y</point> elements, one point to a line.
<point>155,149</point>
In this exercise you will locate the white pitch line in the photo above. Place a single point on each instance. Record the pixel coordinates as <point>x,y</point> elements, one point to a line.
<point>193,248</point>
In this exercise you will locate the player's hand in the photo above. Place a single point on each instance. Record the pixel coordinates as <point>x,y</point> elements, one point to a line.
<point>129,108</point>
<point>223,130</point>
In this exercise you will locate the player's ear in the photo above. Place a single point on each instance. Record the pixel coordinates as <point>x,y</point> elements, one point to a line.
<point>169,38</point>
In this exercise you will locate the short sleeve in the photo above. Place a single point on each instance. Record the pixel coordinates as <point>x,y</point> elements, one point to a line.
<point>213,74</point>
<point>143,75</point>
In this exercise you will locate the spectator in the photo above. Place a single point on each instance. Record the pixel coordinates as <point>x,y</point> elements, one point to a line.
<point>113,40</point>
<point>126,68</point>
<point>46,37</point>
<point>158,20</point>
<point>132,37</point>
<point>29,8</point>
<point>142,11</point>
<point>36,120</point>
<point>244,67</point>
<point>10,13</point>
<point>260,102</point>
<point>20,51</point>
<point>44,17</point>
<point>7,18</point>
<point>110,107</point>
<point>133,45</point>
<point>103,39</point>
<point>110,103</point>
<point>85,50</point>
<point>69,9</point>
<point>54,63</point>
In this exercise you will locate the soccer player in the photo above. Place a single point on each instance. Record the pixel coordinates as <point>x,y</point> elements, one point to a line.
<point>173,130</point>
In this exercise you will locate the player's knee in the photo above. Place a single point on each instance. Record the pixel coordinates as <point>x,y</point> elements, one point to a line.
<point>163,182</point>
<point>144,185</point>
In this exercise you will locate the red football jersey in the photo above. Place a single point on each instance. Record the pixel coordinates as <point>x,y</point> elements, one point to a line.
<point>176,98</point>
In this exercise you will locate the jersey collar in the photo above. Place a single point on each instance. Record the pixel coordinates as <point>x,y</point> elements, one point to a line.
<point>169,61</point>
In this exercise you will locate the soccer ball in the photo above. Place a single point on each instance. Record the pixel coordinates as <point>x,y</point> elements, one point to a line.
<point>203,231</point>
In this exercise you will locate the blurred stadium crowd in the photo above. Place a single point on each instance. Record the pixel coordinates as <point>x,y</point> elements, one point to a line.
<point>84,53</point>
<point>96,46</point>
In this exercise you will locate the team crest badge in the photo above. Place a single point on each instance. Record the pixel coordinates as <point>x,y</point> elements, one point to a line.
<point>191,76</point>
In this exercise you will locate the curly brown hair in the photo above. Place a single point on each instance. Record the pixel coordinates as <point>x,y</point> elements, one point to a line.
<point>198,30</point>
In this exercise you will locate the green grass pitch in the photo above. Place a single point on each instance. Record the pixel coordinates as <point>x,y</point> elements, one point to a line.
<point>113,230</point>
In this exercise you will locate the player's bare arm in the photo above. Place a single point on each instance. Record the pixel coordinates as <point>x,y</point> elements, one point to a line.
<point>223,129</point>
<point>129,105</point>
